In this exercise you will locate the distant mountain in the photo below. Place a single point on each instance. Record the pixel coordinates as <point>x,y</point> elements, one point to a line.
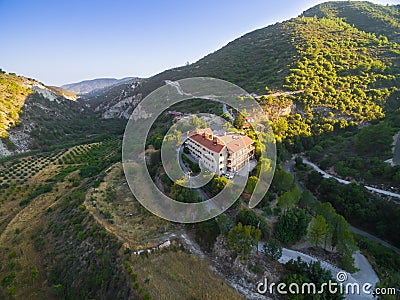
<point>89,86</point>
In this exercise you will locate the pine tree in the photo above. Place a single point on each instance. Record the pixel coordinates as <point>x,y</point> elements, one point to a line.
<point>318,230</point>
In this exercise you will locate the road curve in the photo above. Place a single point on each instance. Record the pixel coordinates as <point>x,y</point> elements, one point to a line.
<point>365,273</point>
<point>374,238</point>
<point>326,175</point>
<point>288,167</point>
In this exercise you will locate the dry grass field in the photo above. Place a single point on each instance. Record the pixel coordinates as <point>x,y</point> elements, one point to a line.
<point>171,273</point>
<point>33,187</point>
<point>179,275</point>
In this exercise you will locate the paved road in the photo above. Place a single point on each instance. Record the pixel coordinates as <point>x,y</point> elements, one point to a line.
<point>288,167</point>
<point>201,193</point>
<point>374,238</point>
<point>326,175</point>
<point>366,273</point>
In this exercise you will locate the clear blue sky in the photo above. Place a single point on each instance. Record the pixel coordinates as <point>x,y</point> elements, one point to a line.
<point>59,42</point>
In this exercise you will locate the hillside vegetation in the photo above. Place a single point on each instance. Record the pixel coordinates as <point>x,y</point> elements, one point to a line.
<point>366,16</point>
<point>69,226</point>
<point>13,93</point>
<point>253,61</point>
<point>57,123</point>
<point>71,229</point>
<point>36,117</point>
<point>336,70</point>
<point>346,77</point>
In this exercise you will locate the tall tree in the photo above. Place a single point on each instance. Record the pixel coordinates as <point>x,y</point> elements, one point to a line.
<point>225,223</point>
<point>183,194</point>
<point>318,230</point>
<point>307,200</point>
<point>292,225</point>
<point>250,217</point>
<point>242,239</point>
<point>273,249</point>
<point>289,199</point>
<point>239,121</point>
<point>282,181</point>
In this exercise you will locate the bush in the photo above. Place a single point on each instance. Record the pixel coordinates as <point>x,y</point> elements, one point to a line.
<point>292,226</point>
<point>193,166</point>
<point>37,192</point>
<point>249,217</point>
<point>273,249</point>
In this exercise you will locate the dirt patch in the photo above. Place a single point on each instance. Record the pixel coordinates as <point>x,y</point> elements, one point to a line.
<point>322,254</point>
<point>114,206</point>
<point>245,275</point>
<point>180,275</point>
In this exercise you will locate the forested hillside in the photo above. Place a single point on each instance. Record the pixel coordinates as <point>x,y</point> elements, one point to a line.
<point>346,77</point>
<point>328,62</point>
<point>329,80</point>
<point>366,16</point>
<point>13,92</point>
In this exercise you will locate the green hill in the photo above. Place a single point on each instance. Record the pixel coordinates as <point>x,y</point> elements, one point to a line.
<point>265,56</point>
<point>341,74</point>
<point>69,226</point>
<point>348,70</point>
<point>253,61</point>
<point>366,16</point>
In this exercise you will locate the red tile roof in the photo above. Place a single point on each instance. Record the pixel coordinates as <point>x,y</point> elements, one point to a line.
<point>233,141</point>
<point>207,143</point>
<point>237,142</point>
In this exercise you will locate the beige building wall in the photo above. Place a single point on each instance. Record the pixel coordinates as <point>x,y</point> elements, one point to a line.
<point>224,159</point>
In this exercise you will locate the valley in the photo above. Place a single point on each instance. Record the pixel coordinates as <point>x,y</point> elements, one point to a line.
<point>328,81</point>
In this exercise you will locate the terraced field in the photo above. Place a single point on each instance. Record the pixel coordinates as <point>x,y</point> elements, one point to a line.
<point>31,187</point>
<point>71,209</point>
<point>115,207</point>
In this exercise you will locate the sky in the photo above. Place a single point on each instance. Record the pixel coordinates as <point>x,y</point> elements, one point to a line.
<point>59,42</point>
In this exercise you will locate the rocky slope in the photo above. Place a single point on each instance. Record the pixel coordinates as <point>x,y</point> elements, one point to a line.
<point>19,99</point>
<point>117,101</point>
<point>35,116</point>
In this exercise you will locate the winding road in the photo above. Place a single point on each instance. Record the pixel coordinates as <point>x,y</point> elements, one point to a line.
<point>326,175</point>
<point>288,167</point>
<point>366,273</point>
<point>374,238</point>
